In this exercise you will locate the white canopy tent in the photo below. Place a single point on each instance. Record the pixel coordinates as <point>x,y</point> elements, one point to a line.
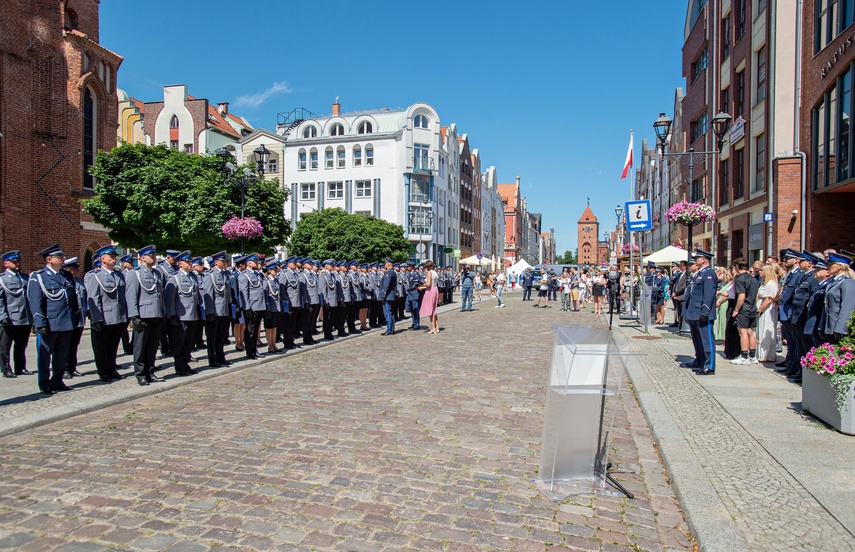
<point>667,255</point>
<point>519,268</point>
<point>475,261</point>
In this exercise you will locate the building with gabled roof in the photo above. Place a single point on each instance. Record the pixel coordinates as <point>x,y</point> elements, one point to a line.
<point>588,231</point>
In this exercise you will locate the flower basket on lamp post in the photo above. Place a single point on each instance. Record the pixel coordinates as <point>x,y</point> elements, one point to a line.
<point>242,229</point>
<point>689,214</point>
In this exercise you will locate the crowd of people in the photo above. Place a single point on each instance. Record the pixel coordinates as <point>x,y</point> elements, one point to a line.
<point>756,310</point>
<point>179,303</point>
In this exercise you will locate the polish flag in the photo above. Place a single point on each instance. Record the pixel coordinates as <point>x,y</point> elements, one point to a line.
<point>628,164</point>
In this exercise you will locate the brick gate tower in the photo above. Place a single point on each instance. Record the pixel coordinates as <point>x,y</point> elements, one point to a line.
<point>589,230</point>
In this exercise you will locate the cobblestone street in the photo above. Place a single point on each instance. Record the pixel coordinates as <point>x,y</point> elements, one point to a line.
<point>407,442</point>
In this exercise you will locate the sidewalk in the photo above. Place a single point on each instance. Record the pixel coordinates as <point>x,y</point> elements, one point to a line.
<point>751,471</point>
<point>410,442</point>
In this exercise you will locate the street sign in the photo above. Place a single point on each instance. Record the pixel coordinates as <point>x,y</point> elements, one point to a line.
<point>613,255</point>
<point>447,250</point>
<point>768,217</point>
<point>480,256</point>
<point>638,215</point>
<point>421,248</point>
<point>613,260</point>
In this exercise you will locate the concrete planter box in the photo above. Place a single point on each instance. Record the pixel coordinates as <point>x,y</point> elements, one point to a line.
<point>818,400</point>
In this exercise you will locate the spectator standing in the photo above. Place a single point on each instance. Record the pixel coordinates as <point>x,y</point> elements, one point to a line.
<point>745,312</point>
<point>732,345</point>
<point>431,297</point>
<point>543,292</point>
<point>598,290</point>
<point>499,281</point>
<point>767,315</point>
<point>479,283</point>
<point>721,319</point>
<point>467,287</point>
<point>564,286</point>
<point>527,283</point>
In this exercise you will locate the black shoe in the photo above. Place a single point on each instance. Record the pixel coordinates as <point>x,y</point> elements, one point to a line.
<point>192,371</point>
<point>182,374</point>
<point>142,381</point>
<point>106,379</point>
<point>781,364</point>
<point>276,352</point>
<point>674,325</point>
<point>116,376</point>
<point>46,392</point>
<point>225,362</point>
<point>259,355</point>
<point>151,378</point>
<point>214,365</point>
<point>23,372</point>
<point>310,342</point>
<point>62,387</point>
<point>692,365</point>
<point>705,372</point>
<point>9,375</point>
<point>228,342</point>
<point>342,334</point>
<point>75,373</point>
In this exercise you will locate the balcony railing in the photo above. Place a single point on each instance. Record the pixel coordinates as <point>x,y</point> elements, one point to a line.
<point>423,164</point>
<point>419,198</point>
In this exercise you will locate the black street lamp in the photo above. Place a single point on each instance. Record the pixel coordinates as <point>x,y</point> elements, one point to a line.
<point>262,155</point>
<point>228,169</point>
<point>426,216</point>
<point>720,124</point>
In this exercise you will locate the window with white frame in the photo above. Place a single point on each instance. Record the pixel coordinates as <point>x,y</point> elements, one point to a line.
<point>329,156</point>
<point>369,156</point>
<point>310,132</point>
<point>273,164</point>
<point>365,127</point>
<point>421,121</point>
<point>362,213</point>
<point>335,190</point>
<point>337,130</point>
<point>307,191</point>
<point>363,188</point>
<point>313,155</point>
<point>357,156</point>
<point>341,157</point>
<point>301,157</point>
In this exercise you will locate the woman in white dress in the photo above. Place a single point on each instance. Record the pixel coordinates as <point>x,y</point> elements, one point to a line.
<point>767,315</point>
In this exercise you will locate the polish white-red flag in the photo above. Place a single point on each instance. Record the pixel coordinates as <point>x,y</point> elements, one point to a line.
<point>628,164</point>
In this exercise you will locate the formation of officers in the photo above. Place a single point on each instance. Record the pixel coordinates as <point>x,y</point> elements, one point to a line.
<point>816,300</point>
<point>178,304</point>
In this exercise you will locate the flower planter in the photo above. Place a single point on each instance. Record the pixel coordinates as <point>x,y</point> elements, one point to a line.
<point>818,399</point>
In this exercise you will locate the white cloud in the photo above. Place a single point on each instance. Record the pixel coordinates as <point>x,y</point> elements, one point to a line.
<point>255,100</point>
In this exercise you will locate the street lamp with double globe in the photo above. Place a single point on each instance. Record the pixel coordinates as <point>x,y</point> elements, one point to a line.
<point>261,155</point>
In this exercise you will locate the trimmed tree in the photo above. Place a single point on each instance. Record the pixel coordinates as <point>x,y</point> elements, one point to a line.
<point>156,195</point>
<point>332,233</point>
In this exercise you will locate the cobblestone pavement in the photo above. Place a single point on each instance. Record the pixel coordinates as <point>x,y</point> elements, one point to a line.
<point>407,442</point>
<point>770,508</point>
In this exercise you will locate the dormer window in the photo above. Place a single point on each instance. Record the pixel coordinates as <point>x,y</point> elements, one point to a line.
<point>420,121</point>
<point>337,130</point>
<point>365,127</point>
<point>310,132</point>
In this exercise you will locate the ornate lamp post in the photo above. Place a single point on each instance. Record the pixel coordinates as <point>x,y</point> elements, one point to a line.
<point>425,217</point>
<point>662,127</point>
<point>228,169</point>
<point>619,229</point>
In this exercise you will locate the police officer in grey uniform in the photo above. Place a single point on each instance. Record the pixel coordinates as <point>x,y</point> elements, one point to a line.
<point>701,311</point>
<point>815,308</point>
<point>217,301</point>
<point>199,273</point>
<point>801,295</point>
<point>352,275</point>
<point>53,303</point>
<point>15,318</point>
<point>791,363</point>
<point>839,297</point>
<point>144,289</point>
<point>414,281</point>
<point>252,303</point>
<point>310,299</point>
<point>182,300</point>
<point>108,312</point>
<point>400,291</point>
<point>388,287</point>
<point>168,266</point>
<point>273,302</point>
<point>71,266</point>
<point>328,288</point>
<point>292,302</point>
<point>345,301</point>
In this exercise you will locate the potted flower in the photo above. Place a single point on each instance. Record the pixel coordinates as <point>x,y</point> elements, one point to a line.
<point>246,228</point>
<point>828,385</point>
<point>626,247</point>
<point>689,214</point>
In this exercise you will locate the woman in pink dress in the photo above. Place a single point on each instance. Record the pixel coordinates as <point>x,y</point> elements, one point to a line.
<point>431,297</point>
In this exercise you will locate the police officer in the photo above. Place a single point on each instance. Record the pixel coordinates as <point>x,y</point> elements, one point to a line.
<point>414,282</point>
<point>127,265</point>
<point>53,304</point>
<point>310,298</point>
<point>15,317</point>
<point>168,266</point>
<point>217,301</point>
<point>108,312</point>
<point>400,290</point>
<point>71,266</point>
<point>292,302</point>
<point>252,303</point>
<point>806,287</point>
<point>785,311</point>
<point>527,282</point>
<point>815,308</point>
<point>650,280</point>
<point>238,320</point>
<point>144,296</point>
<point>273,305</point>
<point>365,291</point>
<point>199,274</point>
<point>329,297</point>
<point>345,301</point>
<point>352,275</point>
<point>700,311</point>
<point>839,297</point>
<point>182,300</point>
<point>388,287</point>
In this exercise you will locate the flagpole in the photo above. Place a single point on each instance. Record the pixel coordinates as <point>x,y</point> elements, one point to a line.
<point>631,236</point>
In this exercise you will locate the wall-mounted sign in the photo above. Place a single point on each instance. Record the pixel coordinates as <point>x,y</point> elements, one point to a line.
<point>835,56</point>
<point>768,217</point>
<point>737,131</point>
<point>638,215</point>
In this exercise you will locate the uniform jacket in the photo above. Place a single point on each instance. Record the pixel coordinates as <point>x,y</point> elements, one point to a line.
<point>291,288</point>
<point>528,279</point>
<point>13,299</point>
<point>801,295</point>
<point>166,268</point>
<point>401,287</point>
<point>251,291</point>
<point>105,291</point>
<point>414,280</point>
<point>815,309</point>
<point>80,315</point>
<point>272,294</point>
<point>217,293</point>
<point>144,289</point>
<point>388,285</point>
<point>791,280</point>
<point>328,288</point>
<point>355,284</point>
<point>701,299</point>
<point>52,299</point>
<point>839,304</point>
<point>343,283</point>
<point>182,297</point>
<point>309,289</point>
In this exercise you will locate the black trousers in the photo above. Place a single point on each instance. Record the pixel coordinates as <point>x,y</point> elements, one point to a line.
<point>375,312</point>
<point>52,358</point>
<point>145,343</point>
<point>526,293</point>
<point>338,320</point>
<point>127,346</point>
<point>250,336</point>
<point>329,322</point>
<point>105,347</point>
<point>166,341</point>
<point>183,336</point>
<point>73,345</point>
<point>350,315</point>
<point>217,331</point>
<point>19,336</point>
<point>309,316</point>
<point>200,335</point>
<point>792,349</point>
<point>399,308</point>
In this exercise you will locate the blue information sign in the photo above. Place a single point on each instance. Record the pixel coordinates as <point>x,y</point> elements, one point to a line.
<point>768,217</point>
<point>638,215</point>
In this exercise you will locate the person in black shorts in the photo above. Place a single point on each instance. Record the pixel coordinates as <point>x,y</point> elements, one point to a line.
<point>542,291</point>
<point>745,312</point>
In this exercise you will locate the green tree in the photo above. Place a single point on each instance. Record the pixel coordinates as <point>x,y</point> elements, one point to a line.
<point>156,195</point>
<point>332,233</point>
<point>567,258</point>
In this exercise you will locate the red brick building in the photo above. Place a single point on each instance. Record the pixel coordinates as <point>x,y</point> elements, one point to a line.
<point>589,233</point>
<point>828,67</point>
<point>58,106</point>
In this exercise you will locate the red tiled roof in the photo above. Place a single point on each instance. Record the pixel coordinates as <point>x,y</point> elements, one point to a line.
<point>588,215</point>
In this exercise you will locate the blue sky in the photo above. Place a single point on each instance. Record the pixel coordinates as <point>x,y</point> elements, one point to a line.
<point>548,89</point>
